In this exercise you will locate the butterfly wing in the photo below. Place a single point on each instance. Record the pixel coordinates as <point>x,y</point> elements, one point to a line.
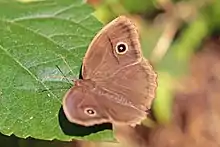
<point>77,102</point>
<point>127,74</point>
<point>135,83</point>
<point>101,59</point>
<point>89,107</point>
<point>125,82</point>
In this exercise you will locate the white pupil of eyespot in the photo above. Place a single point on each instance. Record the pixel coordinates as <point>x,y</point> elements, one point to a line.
<point>90,111</point>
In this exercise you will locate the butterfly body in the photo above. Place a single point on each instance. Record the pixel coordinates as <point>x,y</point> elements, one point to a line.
<point>118,84</point>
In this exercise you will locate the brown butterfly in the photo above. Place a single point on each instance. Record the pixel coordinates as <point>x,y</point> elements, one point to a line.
<point>117,85</point>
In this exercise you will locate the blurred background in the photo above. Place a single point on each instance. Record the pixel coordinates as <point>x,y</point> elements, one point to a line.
<point>173,33</point>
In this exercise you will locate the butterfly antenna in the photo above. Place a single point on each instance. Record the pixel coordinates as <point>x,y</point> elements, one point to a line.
<point>60,88</point>
<point>63,74</point>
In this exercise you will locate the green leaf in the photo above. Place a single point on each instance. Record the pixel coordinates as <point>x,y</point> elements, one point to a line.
<point>35,38</point>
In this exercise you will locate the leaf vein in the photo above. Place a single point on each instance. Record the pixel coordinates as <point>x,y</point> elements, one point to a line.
<point>29,72</point>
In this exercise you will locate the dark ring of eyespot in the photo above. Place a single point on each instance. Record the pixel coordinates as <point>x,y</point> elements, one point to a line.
<point>121,48</point>
<point>90,111</point>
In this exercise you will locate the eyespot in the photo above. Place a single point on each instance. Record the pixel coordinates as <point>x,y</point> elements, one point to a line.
<point>90,111</point>
<point>121,48</point>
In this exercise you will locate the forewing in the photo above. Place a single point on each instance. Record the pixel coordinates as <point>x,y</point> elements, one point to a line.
<point>101,59</point>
